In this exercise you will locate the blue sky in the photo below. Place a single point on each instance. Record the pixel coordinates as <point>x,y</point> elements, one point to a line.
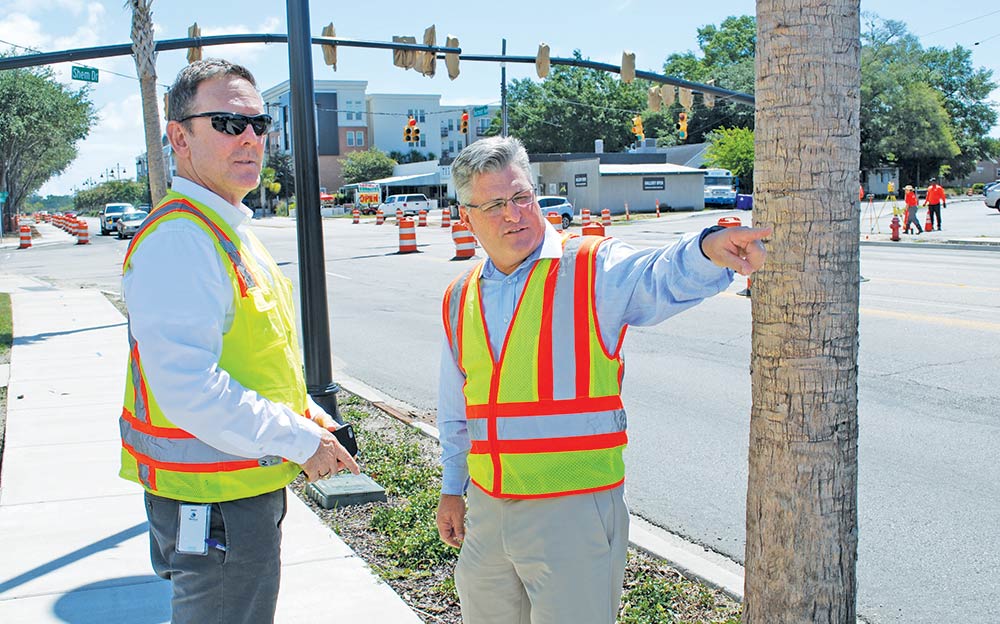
<point>652,29</point>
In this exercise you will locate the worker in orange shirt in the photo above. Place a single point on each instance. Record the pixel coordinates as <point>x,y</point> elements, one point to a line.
<point>911,210</point>
<point>935,199</point>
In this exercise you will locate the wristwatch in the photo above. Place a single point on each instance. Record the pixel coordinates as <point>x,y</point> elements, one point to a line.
<point>706,232</point>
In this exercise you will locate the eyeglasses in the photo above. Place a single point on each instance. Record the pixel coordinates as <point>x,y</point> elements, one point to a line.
<point>523,199</point>
<point>235,124</point>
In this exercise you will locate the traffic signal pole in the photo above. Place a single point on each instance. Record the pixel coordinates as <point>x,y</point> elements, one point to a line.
<point>309,225</point>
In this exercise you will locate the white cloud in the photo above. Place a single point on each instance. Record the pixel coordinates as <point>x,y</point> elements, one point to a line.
<point>75,7</point>
<point>20,29</point>
<point>243,53</point>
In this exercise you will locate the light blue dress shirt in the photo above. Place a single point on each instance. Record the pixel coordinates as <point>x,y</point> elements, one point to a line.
<point>633,287</point>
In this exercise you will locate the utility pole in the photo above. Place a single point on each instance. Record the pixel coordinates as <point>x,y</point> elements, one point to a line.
<point>503,88</point>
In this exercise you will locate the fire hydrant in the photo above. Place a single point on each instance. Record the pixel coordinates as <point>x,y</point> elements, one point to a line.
<point>894,226</point>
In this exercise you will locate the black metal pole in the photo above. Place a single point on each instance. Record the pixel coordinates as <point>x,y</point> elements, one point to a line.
<point>312,274</point>
<point>503,89</point>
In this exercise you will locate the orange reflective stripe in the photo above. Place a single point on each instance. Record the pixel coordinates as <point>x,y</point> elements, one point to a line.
<point>545,336</point>
<point>552,445</point>
<point>159,432</point>
<point>566,493</point>
<point>581,315</point>
<point>180,467</point>
<point>537,408</point>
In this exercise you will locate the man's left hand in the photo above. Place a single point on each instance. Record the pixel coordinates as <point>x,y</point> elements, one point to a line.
<point>737,248</point>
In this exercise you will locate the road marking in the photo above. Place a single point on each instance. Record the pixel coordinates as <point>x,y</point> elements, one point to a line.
<point>339,275</point>
<point>937,320</point>
<point>939,284</point>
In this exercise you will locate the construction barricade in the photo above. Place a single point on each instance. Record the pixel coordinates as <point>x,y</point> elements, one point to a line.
<point>407,235</point>
<point>730,222</point>
<point>593,229</point>
<point>585,217</point>
<point>399,215</point>
<point>357,216</point>
<point>555,220</point>
<point>465,242</point>
<point>606,217</point>
<point>82,233</point>
<point>446,217</point>
<point>379,217</point>
<point>422,218</point>
<point>25,237</point>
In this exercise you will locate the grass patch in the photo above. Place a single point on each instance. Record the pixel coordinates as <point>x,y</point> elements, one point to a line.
<point>6,327</point>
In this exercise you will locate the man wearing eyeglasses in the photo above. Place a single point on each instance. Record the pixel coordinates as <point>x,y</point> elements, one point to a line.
<point>216,419</point>
<point>529,407</point>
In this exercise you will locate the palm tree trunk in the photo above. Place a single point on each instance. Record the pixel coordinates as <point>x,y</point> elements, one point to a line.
<point>802,491</point>
<point>145,64</point>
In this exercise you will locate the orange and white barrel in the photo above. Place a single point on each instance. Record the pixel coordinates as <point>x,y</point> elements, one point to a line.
<point>446,217</point>
<point>422,218</point>
<point>407,236</point>
<point>657,209</point>
<point>730,222</point>
<point>357,216</point>
<point>465,242</point>
<point>585,217</point>
<point>82,233</point>
<point>25,237</point>
<point>606,217</point>
<point>593,229</point>
<point>379,217</point>
<point>399,215</point>
<point>555,220</point>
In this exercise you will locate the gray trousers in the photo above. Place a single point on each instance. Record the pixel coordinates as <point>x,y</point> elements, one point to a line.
<point>235,586</point>
<point>554,560</point>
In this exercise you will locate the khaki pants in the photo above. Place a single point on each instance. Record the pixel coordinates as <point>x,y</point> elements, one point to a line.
<point>554,560</point>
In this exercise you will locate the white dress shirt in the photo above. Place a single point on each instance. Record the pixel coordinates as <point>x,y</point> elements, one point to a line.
<point>180,302</point>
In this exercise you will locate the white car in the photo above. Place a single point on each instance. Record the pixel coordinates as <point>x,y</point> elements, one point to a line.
<point>555,203</point>
<point>129,223</point>
<point>993,196</point>
<point>111,214</point>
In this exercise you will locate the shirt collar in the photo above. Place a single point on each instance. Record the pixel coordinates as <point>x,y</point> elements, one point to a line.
<point>551,247</point>
<point>235,216</point>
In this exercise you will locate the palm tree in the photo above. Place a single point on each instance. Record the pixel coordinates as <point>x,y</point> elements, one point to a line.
<point>802,491</point>
<point>145,65</point>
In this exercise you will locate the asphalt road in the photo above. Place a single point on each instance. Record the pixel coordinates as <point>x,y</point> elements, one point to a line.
<point>929,403</point>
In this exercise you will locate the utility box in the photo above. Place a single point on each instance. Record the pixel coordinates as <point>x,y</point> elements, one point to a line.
<point>744,202</point>
<point>345,489</point>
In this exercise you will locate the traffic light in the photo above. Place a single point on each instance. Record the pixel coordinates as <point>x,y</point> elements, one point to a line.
<point>542,61</point>
<point>416,132</point>
<point>637,127</point>
<point>465,122</point>
<point>329,51</point>
<point>628,67</point>
<point>682,126</point>
<point>194,54</point>
<point>411,123</point>
<point>451,59</point>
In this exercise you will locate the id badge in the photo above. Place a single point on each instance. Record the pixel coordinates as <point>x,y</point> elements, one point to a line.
<point>192,529</point>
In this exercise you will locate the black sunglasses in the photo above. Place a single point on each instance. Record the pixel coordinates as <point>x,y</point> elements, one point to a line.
<point>234,123</point>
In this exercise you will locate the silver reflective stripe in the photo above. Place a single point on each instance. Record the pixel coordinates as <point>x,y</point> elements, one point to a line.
<point>174,450</point>
<point>139,408</point>
<point>563,325</point>
<point>454,305</point>
<point>554,426</point>
<point>144,475</point>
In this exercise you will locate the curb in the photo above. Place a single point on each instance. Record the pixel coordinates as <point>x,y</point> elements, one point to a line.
<point>692,560</point>
<point>964,245</point>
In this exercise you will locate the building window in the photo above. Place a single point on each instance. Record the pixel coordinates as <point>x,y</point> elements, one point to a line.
<point>423,140</point>
<point>451,124</point>
<point>350,138</point>
<point>360,140</point>
<point>421,116</point>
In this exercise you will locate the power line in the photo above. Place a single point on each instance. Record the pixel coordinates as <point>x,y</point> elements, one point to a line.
<point>959,24</point>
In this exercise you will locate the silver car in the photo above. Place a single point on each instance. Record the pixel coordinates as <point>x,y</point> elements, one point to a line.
<point>993,196</point>
<point>557,204</point>
<point>130,222</point>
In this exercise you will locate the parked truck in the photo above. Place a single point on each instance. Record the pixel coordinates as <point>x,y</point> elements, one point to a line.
<point>720,188</point>
<point>410,204</point>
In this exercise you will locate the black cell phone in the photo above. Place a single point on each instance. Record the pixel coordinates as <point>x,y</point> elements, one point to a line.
<point>345,435</point>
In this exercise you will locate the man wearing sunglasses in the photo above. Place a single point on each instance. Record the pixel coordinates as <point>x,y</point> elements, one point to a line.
<point>216,419</point>
<point>529,407</point>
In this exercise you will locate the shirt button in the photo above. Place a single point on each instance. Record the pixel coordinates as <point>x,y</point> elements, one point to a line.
<point>506,319</point>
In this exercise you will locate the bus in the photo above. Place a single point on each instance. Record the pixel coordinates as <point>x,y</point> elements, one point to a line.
<point>720,188</point>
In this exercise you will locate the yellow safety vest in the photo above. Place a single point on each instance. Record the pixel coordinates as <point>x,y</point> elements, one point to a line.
<point>544,416</point>
<point>260,351</point>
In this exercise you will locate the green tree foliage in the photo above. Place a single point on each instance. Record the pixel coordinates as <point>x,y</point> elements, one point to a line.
<point>571,108</point>
<point>896,73</point>
<point>41,122</point>
<point>284,171</point>
<point>92,200</point>
<point>371,164</point>
<point>727,60</point>
<point>732,148</point>
<point>49,203</point>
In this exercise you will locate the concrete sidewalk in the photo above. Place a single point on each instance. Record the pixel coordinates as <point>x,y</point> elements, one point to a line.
<point>75,546</point>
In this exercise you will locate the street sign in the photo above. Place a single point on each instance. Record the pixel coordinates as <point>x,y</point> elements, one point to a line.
<point>87,74</point>
<point>3,196</point>
<point>480,111</point>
